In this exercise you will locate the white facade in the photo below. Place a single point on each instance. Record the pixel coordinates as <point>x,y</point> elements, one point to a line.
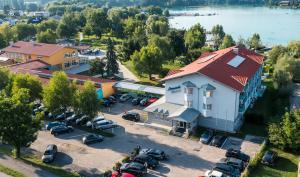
<point>224,100</point>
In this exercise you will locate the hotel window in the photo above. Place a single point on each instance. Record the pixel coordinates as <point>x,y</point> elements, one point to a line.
<point>207,106</point>
<point>207,93</point>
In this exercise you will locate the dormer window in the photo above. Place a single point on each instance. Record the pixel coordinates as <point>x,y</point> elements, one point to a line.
<point>188,87</point>
<point>207,93</point>
<point>190,91</point>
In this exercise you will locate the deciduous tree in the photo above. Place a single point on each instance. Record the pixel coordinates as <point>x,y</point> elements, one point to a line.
<point>195,37</point>
<point>227,42</point>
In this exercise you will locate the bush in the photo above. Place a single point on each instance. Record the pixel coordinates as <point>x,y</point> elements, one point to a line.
<point>117,166</point>
<point>126,159</point>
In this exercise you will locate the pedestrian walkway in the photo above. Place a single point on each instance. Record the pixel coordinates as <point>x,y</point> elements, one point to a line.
<point>26,169</point>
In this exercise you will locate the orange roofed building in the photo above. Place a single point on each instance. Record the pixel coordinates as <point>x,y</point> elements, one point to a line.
<point>59,57</point>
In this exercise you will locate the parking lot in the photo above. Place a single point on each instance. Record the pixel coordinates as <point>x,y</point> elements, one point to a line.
<point>187,157</point>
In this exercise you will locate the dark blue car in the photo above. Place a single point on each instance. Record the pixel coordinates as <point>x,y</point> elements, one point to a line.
<point>54,124</point>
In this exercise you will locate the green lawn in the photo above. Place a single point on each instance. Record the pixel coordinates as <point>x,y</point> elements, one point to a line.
<point>144,79</point>
<point>10,172</point>
<point>286,166</point>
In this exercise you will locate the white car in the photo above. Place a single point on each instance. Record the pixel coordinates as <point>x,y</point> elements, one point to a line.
<point>105,124</point>
<point>95,120</point>
<point>214,173</point>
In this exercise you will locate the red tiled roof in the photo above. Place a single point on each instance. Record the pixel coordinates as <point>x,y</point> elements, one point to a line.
<point>30,65</point>
<point>215,65</point>
<point>31,48</point>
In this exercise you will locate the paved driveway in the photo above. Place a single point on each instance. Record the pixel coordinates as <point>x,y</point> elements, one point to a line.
<point>187,157</point>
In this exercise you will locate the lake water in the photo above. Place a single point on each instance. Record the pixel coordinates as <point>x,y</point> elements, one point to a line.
<point>274,25</point>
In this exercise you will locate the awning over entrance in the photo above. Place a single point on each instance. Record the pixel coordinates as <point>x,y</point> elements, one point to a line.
<point>140,87</point>
<point>185,115</point>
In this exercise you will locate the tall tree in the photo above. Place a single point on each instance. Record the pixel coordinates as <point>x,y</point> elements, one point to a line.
<point>218,35</point>
<point>2,41</point>
<point>176,38</point>
<point>112,66</point>
<point>227,42</point>
<point>59,93</point>
<point>24,31</point>
<point>5,78</point>
<point>148,60</point>
<point>97,67</point>
<point>47,25</point>
<point>27,81</point>
<point>164,45</point>
<point>276,52</point>
<point>255,41</point>
<point>195,37</point>
<point>18,127</point>
<point>47,36</point>
<point>7,33</point>
<point>96,20</point>
<point>157,25</point>
<point>88,103</point>
<point>68,26</point>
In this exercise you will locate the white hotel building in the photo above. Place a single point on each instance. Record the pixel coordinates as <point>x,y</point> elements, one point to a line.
<point>214,91</point>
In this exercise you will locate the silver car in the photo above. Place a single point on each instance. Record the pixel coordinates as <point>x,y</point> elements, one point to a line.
<point>105,124</point>
<point>50,153</point>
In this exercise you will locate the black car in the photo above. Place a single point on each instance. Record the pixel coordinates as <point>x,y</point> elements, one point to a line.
<point>61,129</point>
<point>236,163</point>
<point>133,116</point>
<point>54,124</point>
<point>92,138</point>
<point>206,136</point>
<point>134,168</point>
<point>237,154</point>
<point>227,170</point>
<point>147,160</point>
<point>218,140</point>
<point>64,115</point>
<point>82,120</point>
<point>50,153</point>
<point>269,158</point>
<point>72,119</point>
<point>155,153</point>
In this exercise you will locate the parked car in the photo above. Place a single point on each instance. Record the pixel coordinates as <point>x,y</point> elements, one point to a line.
<point>95,120</point>
<point>107,103</point>
<point>269,158</point>
<point>125,97</point>
<point>130,115</point>
<point>118,174</point>
<point>50,153</point>
<point>72,119</point>
<point>236,163</point>
<point>134,168</point>
<point>136,101</point>
<point>218,140</point>
<point>112,99</point>
<point>214,173</point>
<point>105,124</point>
<point>151,100</point>
<point>237,154</point>
<point>61,129</point>
<point>92,138</point>
<point>206,136</point>
<point>144,101</point>
<point>147,160</point>
<point>227,169</point>
<point>64,115</point>
<point>155,153</point>
<point>82,120</point>
<point>54,124</point>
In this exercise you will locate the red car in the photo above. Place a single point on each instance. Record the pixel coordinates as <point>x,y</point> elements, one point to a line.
<point>117,174</point>
<point>151,100</point>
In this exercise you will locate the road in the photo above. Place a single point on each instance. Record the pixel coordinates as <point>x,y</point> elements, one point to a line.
<point>24,168</point>
<point>126,74</point>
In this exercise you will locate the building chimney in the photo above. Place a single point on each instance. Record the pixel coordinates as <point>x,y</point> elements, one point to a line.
<point>235,50</point>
